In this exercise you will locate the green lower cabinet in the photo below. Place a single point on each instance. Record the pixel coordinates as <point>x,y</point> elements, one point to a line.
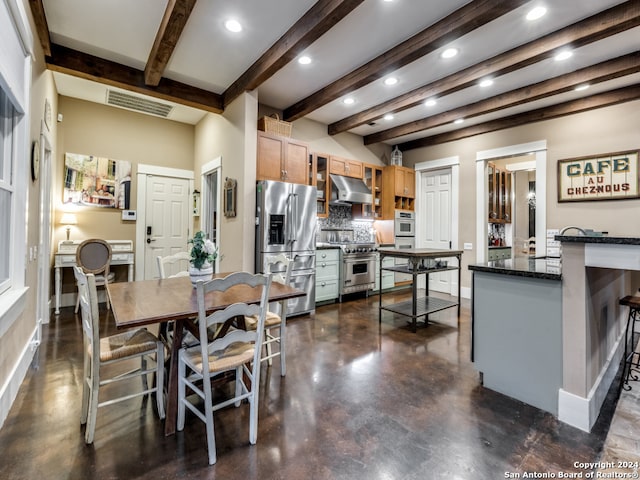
<point>388,280</point>
<point>327,274</point>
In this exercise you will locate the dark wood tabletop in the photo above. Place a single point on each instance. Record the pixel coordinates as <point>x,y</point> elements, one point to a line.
<point>147,302</point>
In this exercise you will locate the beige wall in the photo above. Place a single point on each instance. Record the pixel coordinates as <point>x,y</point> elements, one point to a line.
<point>605,130</point>
<point>90,128</point>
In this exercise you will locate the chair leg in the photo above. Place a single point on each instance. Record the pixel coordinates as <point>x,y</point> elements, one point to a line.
<point>253,414</point>
<point>182,368</point>
<point>77,302</point>
<point>239,372</point>
<point>86,391</point>
<point>93,410</point>
<point>211,437</point>
<point>268,345</point>
<point>143,367</point>
<point>160,379</point>
<point>283,362</point>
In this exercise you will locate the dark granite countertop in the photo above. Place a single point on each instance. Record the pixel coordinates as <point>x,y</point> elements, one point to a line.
<point>546,269</point>
<point>494,247</point>
<point>605,239</point>
<point>326,246</point>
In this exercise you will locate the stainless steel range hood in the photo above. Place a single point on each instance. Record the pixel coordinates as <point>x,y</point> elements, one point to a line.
<point>348,190</point>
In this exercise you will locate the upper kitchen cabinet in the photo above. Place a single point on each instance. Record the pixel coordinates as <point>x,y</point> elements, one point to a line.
<point>320,164</point>
<point>282,159</point>
<point>399,190</point>
<point>499,187</point>
<point>372,176</point>
<point>346,167</point>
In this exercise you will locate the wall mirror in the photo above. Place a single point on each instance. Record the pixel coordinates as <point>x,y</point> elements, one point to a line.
<point>230,188</point>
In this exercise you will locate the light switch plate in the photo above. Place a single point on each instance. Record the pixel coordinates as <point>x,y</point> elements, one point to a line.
<point>468,246</point>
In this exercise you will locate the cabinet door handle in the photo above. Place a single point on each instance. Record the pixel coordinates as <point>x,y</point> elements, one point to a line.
<point>323,284</point>
<point>324,264</point>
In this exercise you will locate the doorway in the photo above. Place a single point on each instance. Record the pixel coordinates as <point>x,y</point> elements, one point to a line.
<point>164,223</point>
<point>538,151</point>
<point>211,206</point>
<point>46,233</point>
<point>437,222</point>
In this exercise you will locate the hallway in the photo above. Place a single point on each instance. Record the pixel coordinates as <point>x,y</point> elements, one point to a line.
<point>358,402</point>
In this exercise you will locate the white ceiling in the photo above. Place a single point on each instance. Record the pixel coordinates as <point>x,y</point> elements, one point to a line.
<point>209,57</point>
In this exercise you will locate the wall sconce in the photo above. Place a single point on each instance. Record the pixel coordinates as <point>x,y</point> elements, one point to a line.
<point>68,219</point>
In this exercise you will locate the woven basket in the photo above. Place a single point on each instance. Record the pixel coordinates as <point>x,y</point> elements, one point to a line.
<point>273,124</point>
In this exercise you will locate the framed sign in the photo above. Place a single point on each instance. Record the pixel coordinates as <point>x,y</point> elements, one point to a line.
<point>612,176</point>
<point>91,181</point>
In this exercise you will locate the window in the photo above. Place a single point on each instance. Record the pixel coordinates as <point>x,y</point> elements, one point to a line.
<point>8,122</point>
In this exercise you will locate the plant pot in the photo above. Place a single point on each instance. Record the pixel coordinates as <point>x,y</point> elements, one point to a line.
<point>203,274</point>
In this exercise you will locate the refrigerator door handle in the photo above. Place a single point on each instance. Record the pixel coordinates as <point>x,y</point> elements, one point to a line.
<point>289,219</point>
<point>304,255</point>
<point>294,209</point>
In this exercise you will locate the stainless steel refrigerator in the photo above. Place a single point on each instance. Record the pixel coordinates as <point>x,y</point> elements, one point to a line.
<point>286,223</point>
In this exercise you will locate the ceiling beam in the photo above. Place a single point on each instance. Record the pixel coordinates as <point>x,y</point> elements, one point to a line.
<point>42,29</point>
<point>471,16</point>
<point>614,20</point>
<point>78,64</point>
<point>312,25</point>
<point>175,18</point>
<point>606,99</point>
<point>602,72</point>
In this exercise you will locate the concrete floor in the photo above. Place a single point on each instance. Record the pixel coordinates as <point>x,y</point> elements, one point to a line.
<point>360,401</point>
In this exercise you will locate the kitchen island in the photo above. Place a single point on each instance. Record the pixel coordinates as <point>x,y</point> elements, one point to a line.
<point>516,329</point>
<point>551,332</point>
<point>420,261</point>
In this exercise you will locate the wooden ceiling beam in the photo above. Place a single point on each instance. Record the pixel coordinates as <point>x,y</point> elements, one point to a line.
<point>604,24</point>
<point>42,28</point>
<point>78,64</point>
<point>602,72</point>
<point>600,100</point>
<point>471,16</point>
<point>312,25</point>
<point>175,18</point>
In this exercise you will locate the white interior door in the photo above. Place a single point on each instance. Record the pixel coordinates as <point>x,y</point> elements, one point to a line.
<point>434,221</point>
<point>44,242</point>
<point>167,214</point>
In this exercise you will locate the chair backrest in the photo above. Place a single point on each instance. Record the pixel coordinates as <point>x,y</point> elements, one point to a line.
<point>243,280</point>
<point>94,256</point>
<point>280,267</point>
<point>88,296</point>
<point>168,263</point>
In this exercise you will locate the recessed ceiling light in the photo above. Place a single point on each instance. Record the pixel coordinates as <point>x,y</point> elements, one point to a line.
<point>536,13</point>
<point>348,101</point>
<point>487,82</point>
<point>563,55</point>
<point>430,103</point>
<point>388,116</point>
<point>304,60</point>
<point>390,81</point>
<point>449,53</point>
<point>459,121</point>
<point>233,26</point>
<point>584,86</point>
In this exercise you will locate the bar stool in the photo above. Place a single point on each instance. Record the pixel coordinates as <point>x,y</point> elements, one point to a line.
<point>631,357</point>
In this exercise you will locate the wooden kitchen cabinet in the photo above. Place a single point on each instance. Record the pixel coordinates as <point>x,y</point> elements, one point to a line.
<point>346,167</point>
<point>320,164</point>
<point>499,188</point>
<point>372,177</point>
<point>398,191</point>
<point>282,159</point>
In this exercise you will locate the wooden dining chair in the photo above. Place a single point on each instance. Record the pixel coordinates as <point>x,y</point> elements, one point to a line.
<point>233,350</point>
<point>177,263</point>
<point>276,321</point>
<point>99,352</point>
<point>94,256</point>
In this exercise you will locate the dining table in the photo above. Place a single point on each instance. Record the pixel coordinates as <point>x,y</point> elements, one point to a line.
<point>148,302</point>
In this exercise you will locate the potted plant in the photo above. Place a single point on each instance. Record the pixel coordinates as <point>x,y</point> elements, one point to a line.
<point>203,254</point>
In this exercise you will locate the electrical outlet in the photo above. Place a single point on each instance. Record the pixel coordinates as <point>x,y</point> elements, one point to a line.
<point>468,246</point>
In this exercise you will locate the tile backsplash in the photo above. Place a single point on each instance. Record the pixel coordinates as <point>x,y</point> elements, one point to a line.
<point>340,218</point>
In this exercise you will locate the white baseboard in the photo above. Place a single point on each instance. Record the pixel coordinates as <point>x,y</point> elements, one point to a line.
<point>9,390</point>
<point>582,412</point>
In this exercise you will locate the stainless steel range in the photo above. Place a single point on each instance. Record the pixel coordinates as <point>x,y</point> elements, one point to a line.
<point>358,272</point>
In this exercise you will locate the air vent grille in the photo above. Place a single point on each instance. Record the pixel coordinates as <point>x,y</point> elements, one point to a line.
<point>139,104</point>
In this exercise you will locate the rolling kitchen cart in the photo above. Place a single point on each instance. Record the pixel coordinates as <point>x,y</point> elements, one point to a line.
<point>421,261</point>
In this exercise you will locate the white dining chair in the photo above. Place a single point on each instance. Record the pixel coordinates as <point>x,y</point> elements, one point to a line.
<point>276,321</point>
<point>177,263</point>
<point>94,256</point>
<point>99,352</point>
<point>233,350</point>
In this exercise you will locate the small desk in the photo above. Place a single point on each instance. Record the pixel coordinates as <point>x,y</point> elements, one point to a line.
<point>418,307</point>
<point>147,302</point>
<point>121,254</point>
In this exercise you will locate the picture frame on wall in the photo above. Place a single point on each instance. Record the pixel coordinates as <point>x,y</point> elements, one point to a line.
<point>610,176</point>
<point>230,189</point>
<point>92,181</point>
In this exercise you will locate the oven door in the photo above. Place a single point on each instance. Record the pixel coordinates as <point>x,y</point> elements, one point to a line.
<point>405,227</point>
<point>358,272</point>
